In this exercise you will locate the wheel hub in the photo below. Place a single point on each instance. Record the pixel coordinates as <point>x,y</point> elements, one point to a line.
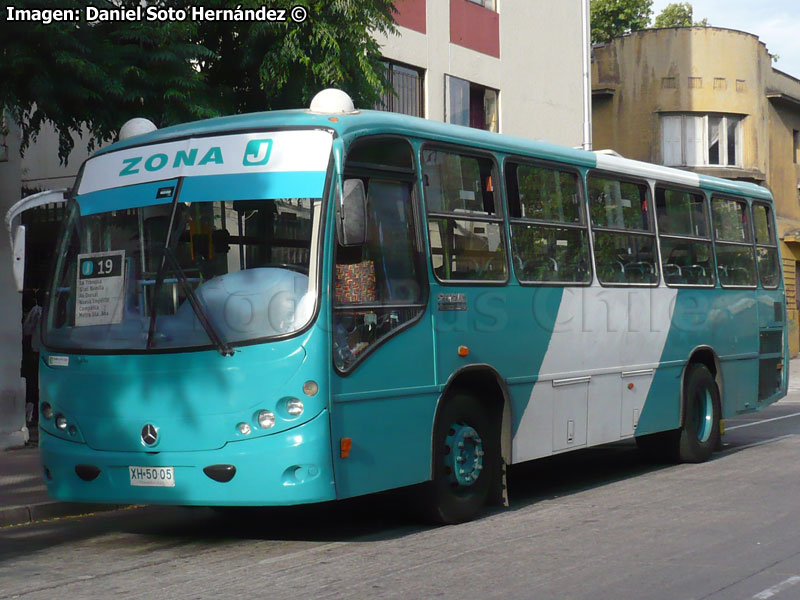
<point>463,455</point>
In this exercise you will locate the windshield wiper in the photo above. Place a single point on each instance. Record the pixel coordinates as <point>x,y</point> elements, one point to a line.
<point>197,306</point>
<point>169,256</point>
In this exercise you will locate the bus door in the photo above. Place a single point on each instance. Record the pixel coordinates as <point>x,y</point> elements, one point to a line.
<point>383,393</point>
<point>771,306</point>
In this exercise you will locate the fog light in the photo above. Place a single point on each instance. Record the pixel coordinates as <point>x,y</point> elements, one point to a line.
<point>243,428</point>
<point>47,411</point>
<point>294,407</point>
<point>61,422</point>
<point>266,419</point>
<point>310,388</point>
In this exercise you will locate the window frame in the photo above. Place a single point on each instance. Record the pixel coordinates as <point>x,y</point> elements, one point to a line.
<point>499,210</point>
<point>751,244</point>
<point>390,95</point>
<point>774,245</point>
<point>483,3</point>
<point>623,178</point>
<point>738,160</point>
<point>420,261</point>
<point>709,239</point>
<point>520,160</point>
<point>470,85</point>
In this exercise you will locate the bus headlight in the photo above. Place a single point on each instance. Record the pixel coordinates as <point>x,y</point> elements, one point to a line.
<point>243,428</point>
<point>47,411</point>
<point>294,407</point>
<point>266,419</point>
<point>61,422</point>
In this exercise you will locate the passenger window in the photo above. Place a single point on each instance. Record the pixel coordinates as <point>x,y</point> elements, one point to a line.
<point>766,246</point>
<point>733,242</point>
<point>549,240</point>
<point>624,242</point>
<point>465,229</point>
<point>686,257</point>
<point>381,285</point>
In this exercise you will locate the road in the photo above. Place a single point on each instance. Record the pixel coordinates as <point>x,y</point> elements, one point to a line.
<point>596,524</point>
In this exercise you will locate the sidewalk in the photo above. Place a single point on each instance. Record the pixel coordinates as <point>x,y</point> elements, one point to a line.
<point>23,497</point>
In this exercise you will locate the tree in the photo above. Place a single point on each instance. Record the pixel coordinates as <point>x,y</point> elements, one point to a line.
<point>613,18</point>
<point>678,14</point>
<point>95,76</point>
<point>267,66</point>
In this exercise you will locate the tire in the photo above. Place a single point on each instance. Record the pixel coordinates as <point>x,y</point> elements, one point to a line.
<point>699,434</point>
<point>465,429</point>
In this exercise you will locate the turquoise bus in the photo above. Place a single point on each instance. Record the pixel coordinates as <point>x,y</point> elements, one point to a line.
<point>301,306</point>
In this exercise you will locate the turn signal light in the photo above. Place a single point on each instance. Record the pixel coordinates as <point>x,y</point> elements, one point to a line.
<point>463,351</point>
<point>345,445</point>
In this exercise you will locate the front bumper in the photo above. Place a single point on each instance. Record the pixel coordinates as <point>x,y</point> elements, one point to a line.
<point>290,467</point>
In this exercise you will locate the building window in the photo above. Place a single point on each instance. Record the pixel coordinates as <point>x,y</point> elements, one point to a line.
<point>701,140</point>
<point>720,83</point>
<point>470,104</point>
<point>669,83</point>
<point>406,97</point>
<point>490,4</point>
<point>695,82</point>
<point>796,152</point>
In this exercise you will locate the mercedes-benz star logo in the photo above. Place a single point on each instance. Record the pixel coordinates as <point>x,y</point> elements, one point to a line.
<point>149,435</point>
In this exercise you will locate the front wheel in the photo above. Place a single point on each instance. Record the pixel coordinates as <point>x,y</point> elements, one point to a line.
<point>466,460</point>
<point>700,433</point>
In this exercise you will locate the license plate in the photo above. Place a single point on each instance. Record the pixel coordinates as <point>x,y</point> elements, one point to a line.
<point>152,476</point>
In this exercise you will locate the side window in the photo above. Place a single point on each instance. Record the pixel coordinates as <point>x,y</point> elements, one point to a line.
<point>379,286</point>
<point>766,246</point>
<point>549,240</point>
<point>624,241</point>
<point>733,242</point>
<point>686,255</point>
<point>464,225</point>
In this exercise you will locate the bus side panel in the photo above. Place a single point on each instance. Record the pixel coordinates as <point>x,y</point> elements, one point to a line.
<point>508,328</point>
<point>597,372</point>
<point>725,321</point>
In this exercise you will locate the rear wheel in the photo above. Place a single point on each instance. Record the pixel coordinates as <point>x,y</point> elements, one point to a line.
<point>699,435</point>
<point>466,460</point>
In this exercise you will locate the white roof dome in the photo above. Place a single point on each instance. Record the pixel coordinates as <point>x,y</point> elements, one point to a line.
<point>332,100</point>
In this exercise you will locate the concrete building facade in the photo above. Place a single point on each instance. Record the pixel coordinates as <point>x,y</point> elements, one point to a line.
<point>706,100</point>
<point>525,57</point>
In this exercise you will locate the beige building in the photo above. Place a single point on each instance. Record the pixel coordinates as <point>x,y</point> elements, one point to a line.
<point>706,100</point>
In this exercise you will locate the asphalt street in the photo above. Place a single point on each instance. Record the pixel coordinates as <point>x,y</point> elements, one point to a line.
<point>601,523</point>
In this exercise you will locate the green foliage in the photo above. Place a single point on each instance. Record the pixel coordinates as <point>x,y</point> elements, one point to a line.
<point>678,14</point>
<point>94,77</point>
<point>268,66</point>
<point>613,18</point>
<point>76,75</point>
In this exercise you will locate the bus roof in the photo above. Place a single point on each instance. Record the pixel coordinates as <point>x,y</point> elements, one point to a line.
<point>368,122</point>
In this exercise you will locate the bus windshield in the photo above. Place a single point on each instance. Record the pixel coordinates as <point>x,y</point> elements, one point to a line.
<point>125,279</point>
<point>191,243</point>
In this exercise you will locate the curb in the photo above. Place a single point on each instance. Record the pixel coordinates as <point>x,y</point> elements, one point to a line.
<point>22,515</point>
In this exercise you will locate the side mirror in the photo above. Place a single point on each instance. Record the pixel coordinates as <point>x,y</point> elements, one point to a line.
<point>352,212</point>
<point>18,257</point>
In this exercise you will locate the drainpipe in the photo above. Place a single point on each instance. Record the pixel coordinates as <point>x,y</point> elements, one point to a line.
<point>587,76</point>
